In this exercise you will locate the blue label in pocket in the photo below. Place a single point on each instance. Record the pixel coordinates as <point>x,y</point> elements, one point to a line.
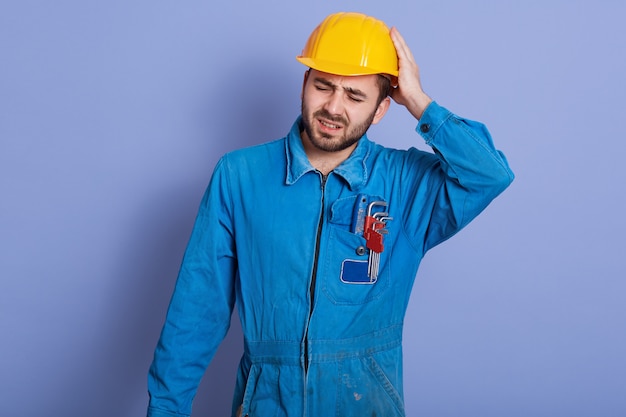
<point>355,272</point>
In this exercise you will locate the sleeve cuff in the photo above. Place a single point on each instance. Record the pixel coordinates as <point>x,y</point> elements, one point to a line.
<point>434,116</point>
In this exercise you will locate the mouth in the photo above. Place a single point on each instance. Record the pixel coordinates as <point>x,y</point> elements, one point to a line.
<point>329,126</point>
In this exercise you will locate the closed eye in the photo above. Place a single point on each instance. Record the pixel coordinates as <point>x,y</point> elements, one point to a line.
<point>353,94</point>
<point>323,85</point>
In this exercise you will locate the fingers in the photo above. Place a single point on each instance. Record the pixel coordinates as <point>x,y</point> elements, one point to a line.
<point>409,91</point>
<point>402,49</point>
<point>408,76</point>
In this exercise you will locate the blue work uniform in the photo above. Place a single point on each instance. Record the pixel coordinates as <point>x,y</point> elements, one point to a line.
<point>279,240</point>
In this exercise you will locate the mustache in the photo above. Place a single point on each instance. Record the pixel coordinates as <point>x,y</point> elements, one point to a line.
<point>324,114</point>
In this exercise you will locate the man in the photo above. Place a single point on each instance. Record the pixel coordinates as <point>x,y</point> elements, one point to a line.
<point>317,237</point>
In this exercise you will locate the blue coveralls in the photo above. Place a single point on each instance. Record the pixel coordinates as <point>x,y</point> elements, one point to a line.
<point>276,238</point>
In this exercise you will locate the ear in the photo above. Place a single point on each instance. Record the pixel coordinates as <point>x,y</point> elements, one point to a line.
<point>306,77</point>
<point>381,110</point>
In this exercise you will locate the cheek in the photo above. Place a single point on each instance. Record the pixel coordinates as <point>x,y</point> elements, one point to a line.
<point>312,100</point>
<point>357,116</point>
<point>307,102</point>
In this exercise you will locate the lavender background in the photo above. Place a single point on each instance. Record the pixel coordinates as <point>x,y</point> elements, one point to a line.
<point>113,114</point>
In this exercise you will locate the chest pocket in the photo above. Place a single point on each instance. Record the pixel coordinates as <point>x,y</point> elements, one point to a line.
<point>345,267</point>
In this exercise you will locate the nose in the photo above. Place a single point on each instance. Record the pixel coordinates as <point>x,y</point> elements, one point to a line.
<point>334,104</point>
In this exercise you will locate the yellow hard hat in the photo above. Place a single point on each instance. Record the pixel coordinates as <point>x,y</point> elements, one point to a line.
<point>351,44</point>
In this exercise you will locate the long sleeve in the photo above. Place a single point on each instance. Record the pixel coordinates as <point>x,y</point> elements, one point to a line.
<point>199,313</point>
<point>465,174</point>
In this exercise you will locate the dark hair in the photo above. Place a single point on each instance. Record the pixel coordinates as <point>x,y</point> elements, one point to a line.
<point>384,87</point>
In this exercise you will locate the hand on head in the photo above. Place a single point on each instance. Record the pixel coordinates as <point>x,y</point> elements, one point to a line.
<point>409,92</point>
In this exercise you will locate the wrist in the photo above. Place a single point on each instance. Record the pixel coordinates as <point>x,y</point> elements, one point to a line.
<point>419,104</point>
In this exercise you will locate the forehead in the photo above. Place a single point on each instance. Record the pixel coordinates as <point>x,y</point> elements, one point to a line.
<point>363,83</point>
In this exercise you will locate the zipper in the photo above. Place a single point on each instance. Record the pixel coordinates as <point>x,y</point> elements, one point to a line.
<point>312,284</point>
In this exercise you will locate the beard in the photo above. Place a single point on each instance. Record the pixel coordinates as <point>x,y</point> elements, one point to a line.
<point>330,143</point>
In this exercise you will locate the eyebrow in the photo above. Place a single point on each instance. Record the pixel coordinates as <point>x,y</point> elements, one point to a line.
<point>351,90</point>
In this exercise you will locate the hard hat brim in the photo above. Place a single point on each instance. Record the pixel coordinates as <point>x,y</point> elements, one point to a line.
<point>341,69</point>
